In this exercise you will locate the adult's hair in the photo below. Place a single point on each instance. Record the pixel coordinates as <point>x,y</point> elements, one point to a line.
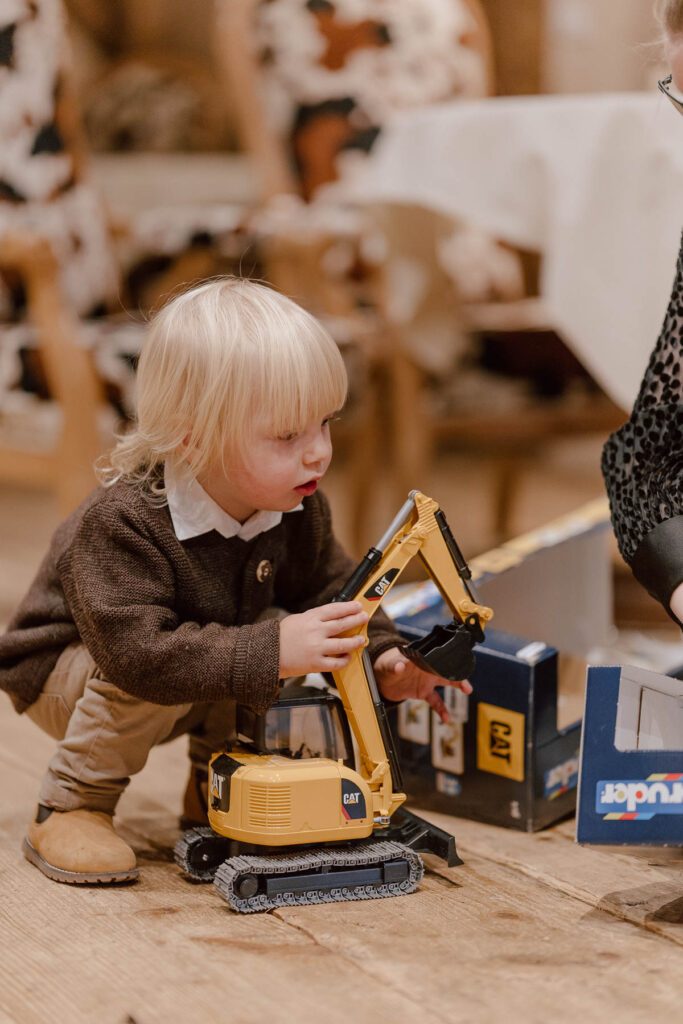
<point>670,16</point>
<point>220,361</point>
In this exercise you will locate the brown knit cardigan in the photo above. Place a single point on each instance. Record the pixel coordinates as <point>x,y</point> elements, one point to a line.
<point>171,622</point>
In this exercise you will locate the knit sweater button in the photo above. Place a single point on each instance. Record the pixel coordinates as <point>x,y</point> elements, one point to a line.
<point>263,570</point>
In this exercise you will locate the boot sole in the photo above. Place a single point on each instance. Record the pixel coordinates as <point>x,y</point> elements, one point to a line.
<point>76,877</point>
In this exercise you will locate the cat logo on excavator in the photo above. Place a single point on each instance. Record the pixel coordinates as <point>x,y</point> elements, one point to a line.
<point>353,801</point>
<point>378,589</point>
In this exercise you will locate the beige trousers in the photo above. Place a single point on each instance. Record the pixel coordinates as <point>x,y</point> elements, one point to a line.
<point>105,735</point>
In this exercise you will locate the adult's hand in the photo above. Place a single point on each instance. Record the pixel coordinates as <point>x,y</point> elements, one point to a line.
<point>676,602</point>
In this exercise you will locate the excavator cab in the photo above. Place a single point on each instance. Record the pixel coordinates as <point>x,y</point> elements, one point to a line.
<point>305,722</point>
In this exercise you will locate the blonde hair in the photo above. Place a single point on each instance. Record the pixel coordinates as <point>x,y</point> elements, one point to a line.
<point>669,14</point>
<point>216,360</point>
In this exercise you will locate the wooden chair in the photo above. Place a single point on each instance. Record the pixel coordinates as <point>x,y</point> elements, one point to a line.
<point>510,443</point>
<point>46,305</point>
<point>53,173</point>
<point>65,466</point>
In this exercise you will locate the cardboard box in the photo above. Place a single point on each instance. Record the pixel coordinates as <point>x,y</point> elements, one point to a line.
<point>631,787</point>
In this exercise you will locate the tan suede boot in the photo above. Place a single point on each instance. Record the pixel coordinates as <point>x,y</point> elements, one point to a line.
<point>79,847</point>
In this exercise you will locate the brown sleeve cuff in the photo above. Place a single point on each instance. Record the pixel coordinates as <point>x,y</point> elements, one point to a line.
<point>256,665</point>
<point>383,642</point>
<point>658,561</point>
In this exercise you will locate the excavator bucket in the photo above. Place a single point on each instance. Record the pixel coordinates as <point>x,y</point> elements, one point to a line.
<point>447,650</point>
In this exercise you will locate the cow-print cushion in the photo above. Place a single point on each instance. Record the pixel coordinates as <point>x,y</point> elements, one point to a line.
<point>42,188</point>
<point>335,70</point>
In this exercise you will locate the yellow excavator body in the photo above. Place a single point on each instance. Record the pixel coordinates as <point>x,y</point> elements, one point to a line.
<point>276,801</point>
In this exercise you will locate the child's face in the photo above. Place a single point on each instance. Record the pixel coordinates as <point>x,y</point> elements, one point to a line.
<point>274,473</point>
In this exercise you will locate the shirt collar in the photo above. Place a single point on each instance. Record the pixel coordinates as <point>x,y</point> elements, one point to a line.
<point>194,512</point>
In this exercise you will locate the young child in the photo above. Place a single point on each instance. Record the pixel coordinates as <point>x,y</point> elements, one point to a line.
<point>149,615</point>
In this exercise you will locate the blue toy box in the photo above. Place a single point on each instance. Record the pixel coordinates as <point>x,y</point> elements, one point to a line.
<point>502,758</point>
<point>631,778</point>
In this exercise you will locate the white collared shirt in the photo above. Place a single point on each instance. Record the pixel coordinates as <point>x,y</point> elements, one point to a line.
<point>194,512</point>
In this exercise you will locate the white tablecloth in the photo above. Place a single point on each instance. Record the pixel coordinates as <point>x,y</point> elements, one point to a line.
<point>593,182</point>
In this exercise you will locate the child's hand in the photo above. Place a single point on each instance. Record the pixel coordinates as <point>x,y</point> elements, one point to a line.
<point>310,642</point>
<point>398,678</point>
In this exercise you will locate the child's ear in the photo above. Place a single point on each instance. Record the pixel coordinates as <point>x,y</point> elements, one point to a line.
<point>186,451</point>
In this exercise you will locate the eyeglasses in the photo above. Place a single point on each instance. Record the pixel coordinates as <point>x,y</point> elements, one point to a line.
<point>665,87</point>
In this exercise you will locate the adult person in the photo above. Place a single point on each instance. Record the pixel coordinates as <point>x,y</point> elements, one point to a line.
<point>642,462</point>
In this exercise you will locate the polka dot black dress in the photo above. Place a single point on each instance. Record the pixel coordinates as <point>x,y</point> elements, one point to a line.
<point>642,464</point>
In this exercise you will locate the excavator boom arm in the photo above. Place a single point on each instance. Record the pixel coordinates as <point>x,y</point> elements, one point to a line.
<point>420,529</point>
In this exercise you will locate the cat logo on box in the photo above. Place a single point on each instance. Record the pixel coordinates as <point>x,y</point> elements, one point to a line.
<point>379,588</point>
<point>500,741</point>
<point>353,801</point>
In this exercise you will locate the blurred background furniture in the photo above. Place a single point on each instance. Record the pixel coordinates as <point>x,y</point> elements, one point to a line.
<point>55,261</point>
<point>453,361</point>
<point>66,361</point>
<point>592,183</point>
<point>66,266</point>
<point>314,84</point>
<point>315,88</point>
<point>57,451</point>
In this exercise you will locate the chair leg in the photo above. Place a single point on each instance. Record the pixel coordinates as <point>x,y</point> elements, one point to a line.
<point>507,481</point>
<point>69,368</point>
<point>364,466</point>
<point>412,440</point>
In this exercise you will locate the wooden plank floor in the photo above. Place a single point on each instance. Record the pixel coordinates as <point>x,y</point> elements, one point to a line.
<point>530,929</point>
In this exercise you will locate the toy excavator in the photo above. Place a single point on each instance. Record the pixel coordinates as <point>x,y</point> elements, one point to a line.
<point>291,821</point>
